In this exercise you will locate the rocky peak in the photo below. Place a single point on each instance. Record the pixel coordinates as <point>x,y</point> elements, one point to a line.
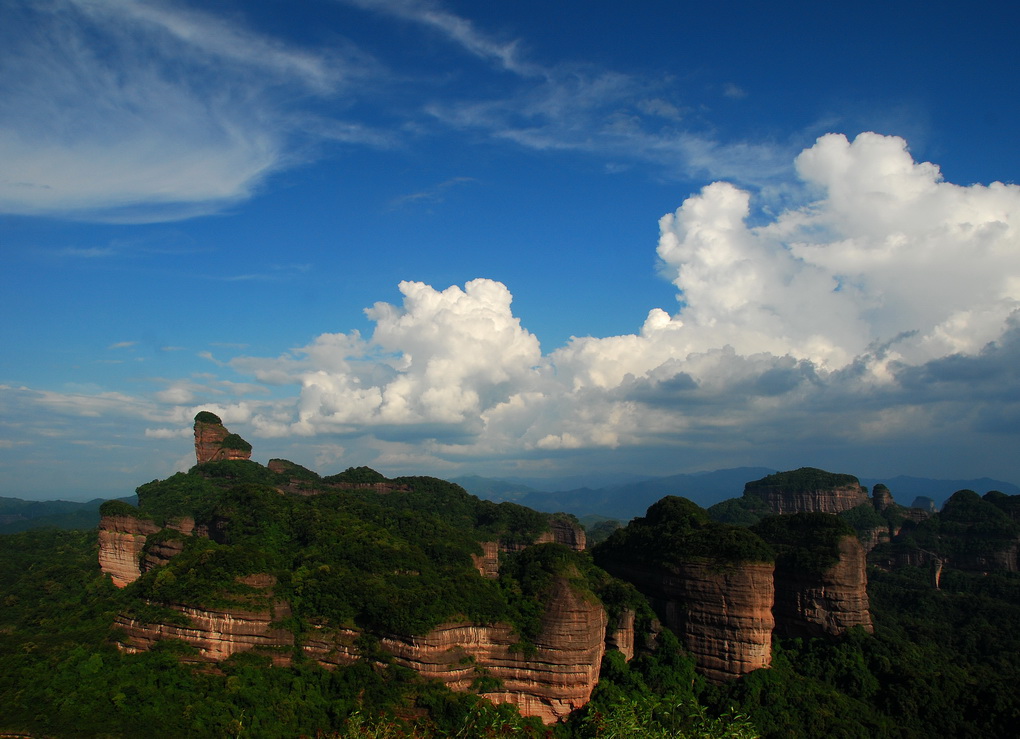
<point>214,443</point>
<point>881,498</point>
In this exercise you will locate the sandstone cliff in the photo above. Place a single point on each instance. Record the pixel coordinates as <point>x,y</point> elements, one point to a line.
<point>808,490</point>
<point>824,604</point>
<point>554,678</point>
<point>216,633</point>
<point>214,443</point>
<point>722,616</point>
<point>121,541</point>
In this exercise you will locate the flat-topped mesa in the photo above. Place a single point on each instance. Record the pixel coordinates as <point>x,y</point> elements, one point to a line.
<point>808,490</point>
<point>214,443</point>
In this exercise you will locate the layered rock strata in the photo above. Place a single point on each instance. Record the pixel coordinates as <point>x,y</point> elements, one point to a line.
<point>808,490</point>
<point>622,637</point>
<point>560,531</point>
<point>215,633</point>
<point>828,604</point>
<point>549,682</point>
<point>121,543</point>
<point>723,615</point>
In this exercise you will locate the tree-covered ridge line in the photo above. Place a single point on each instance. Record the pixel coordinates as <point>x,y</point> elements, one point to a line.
<point>941,662</point>
<point>403,564</point>
<point>676,530</point>
<point>21,515</point>
<point>804,479</point>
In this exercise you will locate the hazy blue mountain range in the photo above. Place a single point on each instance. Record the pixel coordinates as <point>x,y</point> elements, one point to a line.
<point>20,515</point>
<point>626,500</point>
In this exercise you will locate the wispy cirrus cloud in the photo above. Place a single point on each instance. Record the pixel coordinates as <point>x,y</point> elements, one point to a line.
<point>179,112</point>
<point>434,194</point>
<point>459,30</point>
<point>137,112</point>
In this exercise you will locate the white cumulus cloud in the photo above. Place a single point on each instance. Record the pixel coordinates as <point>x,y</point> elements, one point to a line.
<point>883,313</point>
<point>844,305</point>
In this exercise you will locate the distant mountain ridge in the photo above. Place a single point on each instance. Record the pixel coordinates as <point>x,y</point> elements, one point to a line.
<point>625,501</point>
<point>20,515</point>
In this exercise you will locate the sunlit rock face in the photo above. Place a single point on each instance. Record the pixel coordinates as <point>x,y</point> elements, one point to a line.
<point>808,490</point>
<point>555,678</point>
<point>723,614</point>
<point>215,633</point>
<point>825,604</point>
<point>121,541</point>
<point>549,682</point>
<point>214,443</point>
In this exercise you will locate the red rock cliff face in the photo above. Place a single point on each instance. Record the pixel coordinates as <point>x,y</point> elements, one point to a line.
<point>121,540</point>
<point>723,616</point>
<point>825,500</point>
<point>209,444</point>
<point>828,604</point>
<point>215,633</point>
<point>557,678</point>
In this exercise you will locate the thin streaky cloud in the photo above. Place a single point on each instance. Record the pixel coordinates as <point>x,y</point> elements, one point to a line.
<point>434,194</point>
<point>210,35</point>
<point>458,29</point>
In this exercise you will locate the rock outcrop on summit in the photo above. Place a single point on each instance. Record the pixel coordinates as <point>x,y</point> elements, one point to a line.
<point>214,443</point>
<point>495,599</point>
<point>228,514</point>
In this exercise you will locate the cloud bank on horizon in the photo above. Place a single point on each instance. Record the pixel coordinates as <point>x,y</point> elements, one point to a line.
<point>889,306</point>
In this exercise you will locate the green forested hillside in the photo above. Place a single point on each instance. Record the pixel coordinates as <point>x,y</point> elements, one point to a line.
<point>940,663</point>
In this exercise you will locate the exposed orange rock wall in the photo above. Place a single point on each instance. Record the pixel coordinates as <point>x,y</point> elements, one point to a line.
<point>565,533</point>
<point>722,615</point>
<point>560,532</point>
<point>208,437</point>
<point>825,500</point>
<point>555,679</point>
<point>827,604</point>
<point>121,540</point>
<point>215,633</point>
<point>487,563</point>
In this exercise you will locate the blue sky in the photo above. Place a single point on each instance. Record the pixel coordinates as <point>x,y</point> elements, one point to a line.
<point>508,238</point>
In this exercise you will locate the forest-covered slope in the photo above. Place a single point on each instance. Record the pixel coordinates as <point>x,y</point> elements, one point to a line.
<point>406,607</point>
